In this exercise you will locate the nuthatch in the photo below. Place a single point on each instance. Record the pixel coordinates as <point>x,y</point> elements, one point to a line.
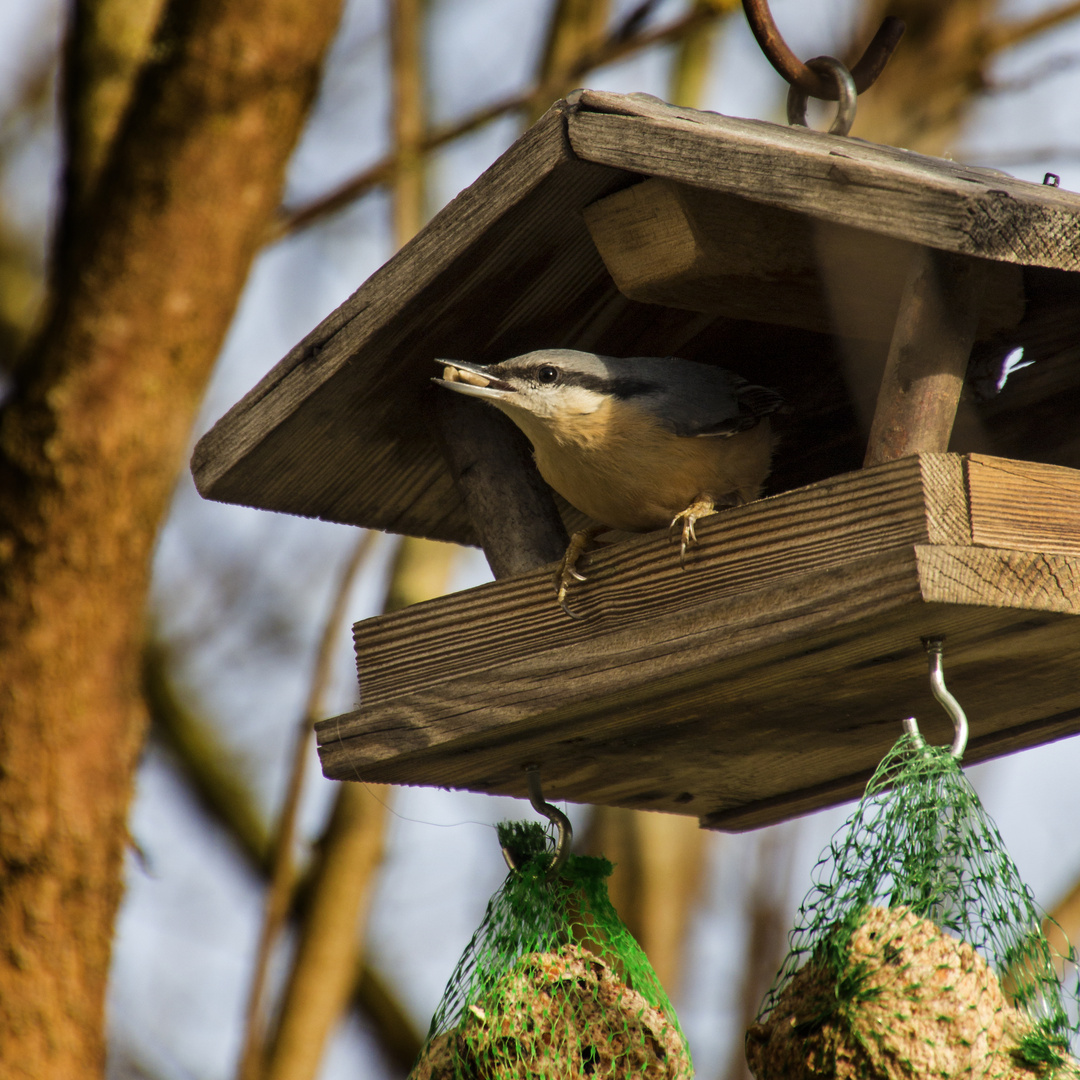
<point>635,444</point>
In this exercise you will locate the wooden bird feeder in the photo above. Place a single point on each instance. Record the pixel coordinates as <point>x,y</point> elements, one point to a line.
<point>769,676</point>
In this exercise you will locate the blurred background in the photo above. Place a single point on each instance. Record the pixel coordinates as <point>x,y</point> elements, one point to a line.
<point>249,616</point>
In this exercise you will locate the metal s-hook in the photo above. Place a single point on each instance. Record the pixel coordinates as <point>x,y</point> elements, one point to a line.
<point>865,72</point>
<point>555,816</point>
<point>935,650</point>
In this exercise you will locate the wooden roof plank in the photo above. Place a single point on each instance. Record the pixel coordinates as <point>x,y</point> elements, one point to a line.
<point>429,255</point>
<point>978,212</point>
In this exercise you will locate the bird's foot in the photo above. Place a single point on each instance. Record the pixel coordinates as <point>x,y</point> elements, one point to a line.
<point>701,507</point>
<point>567,571</point>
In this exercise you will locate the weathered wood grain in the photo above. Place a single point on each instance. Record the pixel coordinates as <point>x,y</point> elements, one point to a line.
<point>430,253</point>
<point>1023,504</point>
<point>928,357</point>
<point>635,583</point>
<point>1060,723</point>
<point>756,683</point>
<point>911,197</point>
<point>685,247</point>
<point>1033,580</point>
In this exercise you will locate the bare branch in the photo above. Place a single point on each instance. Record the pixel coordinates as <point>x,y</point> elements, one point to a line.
<point>207,766</point>
<point>330,944</point>
<point>107,43</point>
<point>282,879</point>
<point>383,171</point>
<point>22,266</point>
<point>659,869</point>
<point>693,59</point>
<point>577,29</point>
<point>1005,35</point>
<point>324,969</point>
<point>1045,70</point>
<point>633,21</point>
<point>409,121</point>
<point>229,802</point>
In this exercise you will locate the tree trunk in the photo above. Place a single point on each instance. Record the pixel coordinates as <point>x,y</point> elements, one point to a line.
<point>90,446</point>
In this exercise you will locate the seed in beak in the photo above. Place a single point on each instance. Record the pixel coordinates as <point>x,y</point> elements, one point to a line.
<point>457,375</point>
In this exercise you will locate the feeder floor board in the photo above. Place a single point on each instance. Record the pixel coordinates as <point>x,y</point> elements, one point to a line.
<point>766,678</point>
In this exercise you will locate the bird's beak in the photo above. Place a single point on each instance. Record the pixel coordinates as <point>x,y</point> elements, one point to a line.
<point>472,379</point>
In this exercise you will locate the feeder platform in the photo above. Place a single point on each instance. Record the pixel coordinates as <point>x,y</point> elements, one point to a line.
<point>765,679</point>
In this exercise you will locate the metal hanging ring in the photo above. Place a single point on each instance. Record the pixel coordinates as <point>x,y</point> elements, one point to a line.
<point>555,816</point>
<point>845,86</point>
<point>865,72</point>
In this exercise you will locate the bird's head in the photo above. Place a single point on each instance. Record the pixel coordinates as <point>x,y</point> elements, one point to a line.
<point>551,385</point>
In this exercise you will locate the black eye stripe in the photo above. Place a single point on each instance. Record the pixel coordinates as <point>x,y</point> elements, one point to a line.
<point>620,386</point>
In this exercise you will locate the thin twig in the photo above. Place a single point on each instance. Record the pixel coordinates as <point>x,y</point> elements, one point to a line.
<point>323,968</point>
<point>383,171</point>
<point>282,875</point>
<point>1047,69</point>
<point>692,63</point>
<point>229,801</point>
<point>1005,35</point>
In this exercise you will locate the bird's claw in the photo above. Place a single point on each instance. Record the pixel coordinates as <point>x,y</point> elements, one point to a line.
<point>568,571</point>
<point>565,606</point>
<point>563,577</point>
<point>689,517</point>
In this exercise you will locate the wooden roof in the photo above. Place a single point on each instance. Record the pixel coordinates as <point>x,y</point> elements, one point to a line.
<point>341,428</point>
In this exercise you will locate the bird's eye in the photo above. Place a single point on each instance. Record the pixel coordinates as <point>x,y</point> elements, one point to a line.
<point>547,374</point>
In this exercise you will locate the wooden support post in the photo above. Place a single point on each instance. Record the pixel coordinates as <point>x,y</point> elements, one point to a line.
<point>511,508</point>
<point>928,357</point>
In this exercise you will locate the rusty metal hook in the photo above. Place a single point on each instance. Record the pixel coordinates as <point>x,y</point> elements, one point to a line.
<point>865,72</point>
<point>555,816</point>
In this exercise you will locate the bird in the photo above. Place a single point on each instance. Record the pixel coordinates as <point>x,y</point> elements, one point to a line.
<point>635,443</point>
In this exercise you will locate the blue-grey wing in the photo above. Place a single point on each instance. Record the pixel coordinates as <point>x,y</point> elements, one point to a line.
<point>698,400</point>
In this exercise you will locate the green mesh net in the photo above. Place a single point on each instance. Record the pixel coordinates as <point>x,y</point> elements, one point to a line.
<point>918,952</point>
<point>552,984</point>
